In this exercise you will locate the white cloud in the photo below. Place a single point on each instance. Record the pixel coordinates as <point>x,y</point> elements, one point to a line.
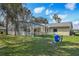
<point>76,25</point>
<point>75,22</point>
<point>48,12</point>
<point>39,9</point>
<point>70,6</point>
<point>63,16</point>
<point>51,16</point>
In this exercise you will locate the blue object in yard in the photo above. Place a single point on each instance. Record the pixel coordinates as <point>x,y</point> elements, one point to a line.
<point>57,38</point>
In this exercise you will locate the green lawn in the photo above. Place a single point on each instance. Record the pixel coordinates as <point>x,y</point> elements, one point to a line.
<point>37,46</point>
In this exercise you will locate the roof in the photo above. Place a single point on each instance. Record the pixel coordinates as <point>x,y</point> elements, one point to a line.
<point>1,27</point>
<point>64,24</point>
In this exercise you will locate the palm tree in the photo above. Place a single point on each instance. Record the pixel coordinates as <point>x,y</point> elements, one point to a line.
<point>57,19</point>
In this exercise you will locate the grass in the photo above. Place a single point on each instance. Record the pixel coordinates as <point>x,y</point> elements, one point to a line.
<point>37,46</point>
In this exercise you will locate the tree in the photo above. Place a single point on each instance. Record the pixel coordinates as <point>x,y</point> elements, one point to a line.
<point>27,20</point>
<point>11,11</point>
<point>57,19</point>
<point>40,20</point>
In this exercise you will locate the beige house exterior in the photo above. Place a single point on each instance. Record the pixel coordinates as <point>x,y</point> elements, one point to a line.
<point>64,28</point>
<point>61,28</point>
<point>38,30</point>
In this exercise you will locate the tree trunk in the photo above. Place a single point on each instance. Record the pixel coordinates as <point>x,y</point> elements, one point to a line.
<point>45,29</point>
<point>15,28</point>
<point>7,25</point>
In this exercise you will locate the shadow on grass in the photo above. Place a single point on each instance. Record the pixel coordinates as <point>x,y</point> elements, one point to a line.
<point>39,47</point>
<point>76,34</point>
<point>68,43</point>
<point>70,51</point>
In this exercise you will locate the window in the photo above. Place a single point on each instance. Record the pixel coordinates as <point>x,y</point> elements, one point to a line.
<point>55,30</point>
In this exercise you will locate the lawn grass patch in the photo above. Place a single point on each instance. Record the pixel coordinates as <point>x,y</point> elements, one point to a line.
<point>37,46</point>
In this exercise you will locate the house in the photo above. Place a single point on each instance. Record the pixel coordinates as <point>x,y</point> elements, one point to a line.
<point>24,28</point>
<point>64,28</point>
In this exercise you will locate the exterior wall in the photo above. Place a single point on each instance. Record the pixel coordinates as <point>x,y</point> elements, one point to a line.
<point>64,31</point>
<point>40,30</point>
<point>60,31</point>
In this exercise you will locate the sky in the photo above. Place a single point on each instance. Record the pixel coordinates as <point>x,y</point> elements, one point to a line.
<point>68,12</point>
